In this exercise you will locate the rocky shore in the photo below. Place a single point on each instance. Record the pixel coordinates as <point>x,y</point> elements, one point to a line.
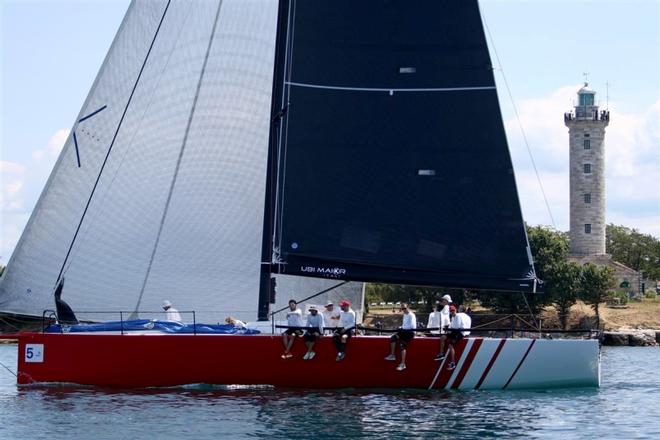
<point>632,338</point>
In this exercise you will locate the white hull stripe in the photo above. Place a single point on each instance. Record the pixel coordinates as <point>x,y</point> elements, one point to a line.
<point>392,90</point>
<point>519,365</point>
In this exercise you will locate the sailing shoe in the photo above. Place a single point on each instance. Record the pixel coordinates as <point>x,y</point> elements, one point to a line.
<point>390,358</point>
<point>311,355</point>
<point>440,357</point>
<point>340,356</point>
<point>401,367</point>
<point>285,356</point>
<point>306,356</point>
<point>289,355</point>
<point>451,366</point>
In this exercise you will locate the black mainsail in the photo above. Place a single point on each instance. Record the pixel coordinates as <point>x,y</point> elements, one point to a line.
<point>392,159</point>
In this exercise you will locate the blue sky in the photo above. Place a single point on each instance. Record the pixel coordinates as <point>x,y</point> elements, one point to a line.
<point>51,51</point>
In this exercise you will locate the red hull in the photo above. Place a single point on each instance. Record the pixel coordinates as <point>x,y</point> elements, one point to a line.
<point>156,360</point>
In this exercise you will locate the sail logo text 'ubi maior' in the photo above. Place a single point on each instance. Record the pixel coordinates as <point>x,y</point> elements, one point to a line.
<point>330,272</point>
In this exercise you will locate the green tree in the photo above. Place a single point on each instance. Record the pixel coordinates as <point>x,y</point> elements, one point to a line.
<point>596,286</point>
<point>634,249</point>
<point>563,287</point>
<point>412,294</point>
<point>549,248</point>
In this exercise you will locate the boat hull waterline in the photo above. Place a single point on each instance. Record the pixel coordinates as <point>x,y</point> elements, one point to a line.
<point>157,360</point>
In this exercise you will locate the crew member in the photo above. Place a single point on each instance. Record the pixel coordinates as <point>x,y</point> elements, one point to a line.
<point>345,330</point>
<point>295,322</point>
<point>445,320</point>
<point>404,335</point>
<point>331,315</point>
<point>171,314</point>
<point>460,322</point>
<point>314,330</point>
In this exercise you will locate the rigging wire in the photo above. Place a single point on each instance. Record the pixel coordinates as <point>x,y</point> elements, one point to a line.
<point>522,130</point>
<point>7,368</point>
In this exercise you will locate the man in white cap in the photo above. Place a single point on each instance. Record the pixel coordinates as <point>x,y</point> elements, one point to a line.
<point>172,314</point>
<point>445,320</point>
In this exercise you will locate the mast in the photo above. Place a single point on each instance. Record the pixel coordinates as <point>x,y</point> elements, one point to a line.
<point>266,286</point>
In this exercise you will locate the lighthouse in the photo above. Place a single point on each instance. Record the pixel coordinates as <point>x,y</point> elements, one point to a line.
<point>586,128</point>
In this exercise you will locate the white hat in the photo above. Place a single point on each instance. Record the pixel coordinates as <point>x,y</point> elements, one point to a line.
<point>447,297</point>
<point>167,303</point>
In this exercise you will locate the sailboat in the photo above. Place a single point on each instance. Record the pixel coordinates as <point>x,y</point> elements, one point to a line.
<point>230,146</point>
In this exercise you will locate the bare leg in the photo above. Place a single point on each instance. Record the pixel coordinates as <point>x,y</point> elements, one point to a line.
<point>392,347</point>
<point>285,341</point>
<point>290,343</point>
<point>403,356</point>
<point>450,351</point>
<point>443,338</point>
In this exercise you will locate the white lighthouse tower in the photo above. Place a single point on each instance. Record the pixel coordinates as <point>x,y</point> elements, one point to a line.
<point>586,128</point>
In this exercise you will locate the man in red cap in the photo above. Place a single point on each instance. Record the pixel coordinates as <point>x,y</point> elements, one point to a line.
<point>460,322</point>
<point>345,329</point>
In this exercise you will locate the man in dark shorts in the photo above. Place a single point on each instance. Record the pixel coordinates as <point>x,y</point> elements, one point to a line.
<point>346,329</point>
<point>404,335</point>
<point>293,319</point>
<point>460,322</point>
<point>313,331</point>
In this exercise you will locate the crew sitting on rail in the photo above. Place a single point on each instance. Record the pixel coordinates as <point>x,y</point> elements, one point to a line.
<point>404,335</point>
<point>295,322</point>
<point>460,322</point>
<point>445,320</point>
<point>434,320</point>
<point>331,315</point>
<point>345,330</point>
<point>314,330</point>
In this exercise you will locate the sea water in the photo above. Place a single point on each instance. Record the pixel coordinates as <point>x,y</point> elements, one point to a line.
<point>626,406</point>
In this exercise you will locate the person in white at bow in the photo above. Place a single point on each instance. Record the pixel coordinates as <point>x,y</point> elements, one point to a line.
<point>404,335</point>
<point>171,314</point>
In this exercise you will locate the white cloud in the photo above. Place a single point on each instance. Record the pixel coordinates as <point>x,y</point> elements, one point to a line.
<point>53,147</point>
<point>12,178</point>
<point>632,156</point>
<point>20,186</point>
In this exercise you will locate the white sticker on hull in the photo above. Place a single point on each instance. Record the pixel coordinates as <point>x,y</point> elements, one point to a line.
<point>34,352</point>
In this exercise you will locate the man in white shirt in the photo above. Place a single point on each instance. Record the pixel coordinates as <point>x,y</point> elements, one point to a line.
<point>345,330</point>
<point>314,331</point>
<point>404,335</point>
<point>171,314</point>
<point>445,302</point>
<point>331,315</point>
<point>435,319</point>
<point>460,322</point>
<point>295,322</point>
